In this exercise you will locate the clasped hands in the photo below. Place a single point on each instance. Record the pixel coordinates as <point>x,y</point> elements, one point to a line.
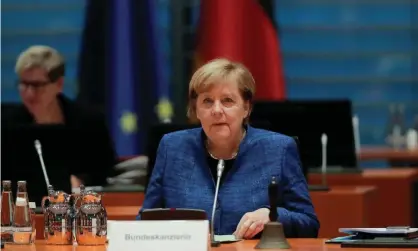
<point>252,223</point>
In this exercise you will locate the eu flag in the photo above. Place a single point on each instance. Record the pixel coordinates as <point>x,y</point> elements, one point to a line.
<point>156,34</point>
<point>139,95</point>
<point>151,36</point>
<point>123,103</point>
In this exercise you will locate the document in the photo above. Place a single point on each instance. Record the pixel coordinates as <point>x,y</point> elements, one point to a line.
<point>226,238</point>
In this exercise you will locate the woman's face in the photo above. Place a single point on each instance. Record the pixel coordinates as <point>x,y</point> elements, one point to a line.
<point>221,111</point>
<point>36,91</point>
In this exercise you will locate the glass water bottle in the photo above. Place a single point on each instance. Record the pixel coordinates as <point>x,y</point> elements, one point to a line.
<point>7,209</point>
<point>22,224</point>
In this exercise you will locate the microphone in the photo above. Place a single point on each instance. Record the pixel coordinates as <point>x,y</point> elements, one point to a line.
<point>356,128</point>
<point>220,169</point>
<point>324,141</point>
<point>38,148</point>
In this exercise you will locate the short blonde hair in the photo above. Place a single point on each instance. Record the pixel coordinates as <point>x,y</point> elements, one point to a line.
<point>44,57</point>
<point>210,74</point>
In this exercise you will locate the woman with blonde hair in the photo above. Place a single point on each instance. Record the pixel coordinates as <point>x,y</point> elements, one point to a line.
<point>75,141</point>
<point>184,175</point>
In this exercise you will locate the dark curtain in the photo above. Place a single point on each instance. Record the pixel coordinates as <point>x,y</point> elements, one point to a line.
<point>95,70</point>
<point>92,78</point>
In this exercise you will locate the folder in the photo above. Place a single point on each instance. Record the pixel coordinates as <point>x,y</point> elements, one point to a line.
<point>389,237</point>
<point>388,231</point>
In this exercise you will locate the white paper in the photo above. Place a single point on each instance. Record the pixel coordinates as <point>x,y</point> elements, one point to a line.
<point>109,228</point>
<point>226,238</point>
<point>94,226</point>
<point>159,235</point>
<point>21,202</point>
<point>63,227</point>
<point>32,205</point>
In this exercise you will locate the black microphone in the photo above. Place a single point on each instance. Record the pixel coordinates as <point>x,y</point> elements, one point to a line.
<point>38,148</point>
<point>273,195</point>
<point>220,169</point>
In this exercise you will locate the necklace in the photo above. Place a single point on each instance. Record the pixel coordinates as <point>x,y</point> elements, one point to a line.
<point>233,156</point>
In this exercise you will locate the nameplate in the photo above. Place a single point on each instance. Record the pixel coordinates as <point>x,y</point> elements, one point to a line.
<point>158,235</point>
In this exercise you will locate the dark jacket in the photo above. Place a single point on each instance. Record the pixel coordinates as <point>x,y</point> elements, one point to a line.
<point>81,147</point>
<point>181,178</point>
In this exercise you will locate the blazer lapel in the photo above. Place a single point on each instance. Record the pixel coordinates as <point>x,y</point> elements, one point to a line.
<point>201,156</point>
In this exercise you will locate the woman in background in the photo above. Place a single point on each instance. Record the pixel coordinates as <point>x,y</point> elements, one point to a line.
<point>75,141</point>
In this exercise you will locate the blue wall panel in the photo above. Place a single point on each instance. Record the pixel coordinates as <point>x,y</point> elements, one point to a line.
<point>354,67</point>
<point>363,50</point>
<point>42,22</point>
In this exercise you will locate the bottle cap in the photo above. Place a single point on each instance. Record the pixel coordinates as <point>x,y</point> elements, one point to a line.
<point>7,184</point>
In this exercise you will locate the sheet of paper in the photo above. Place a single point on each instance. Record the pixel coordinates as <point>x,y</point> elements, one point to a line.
<point>226,238</point>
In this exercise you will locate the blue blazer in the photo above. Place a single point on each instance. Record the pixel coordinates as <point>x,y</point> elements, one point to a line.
<point>181,178</point>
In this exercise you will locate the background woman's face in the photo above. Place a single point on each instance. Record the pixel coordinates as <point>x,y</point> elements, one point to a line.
<point>35,89</point>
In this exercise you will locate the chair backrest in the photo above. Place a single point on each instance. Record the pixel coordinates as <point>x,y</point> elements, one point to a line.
<point>173,214</point>
<point>295,117</point>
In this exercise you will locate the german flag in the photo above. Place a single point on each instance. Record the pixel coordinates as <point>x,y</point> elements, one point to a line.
<point>243,31</point>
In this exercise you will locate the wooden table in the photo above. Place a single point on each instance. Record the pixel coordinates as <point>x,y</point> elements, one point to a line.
<point>387,153</point>
<point>343,207</point>
<point>296,244</point>
<point>394,203</point>
<point>117,199</point>
<point>353,203</point>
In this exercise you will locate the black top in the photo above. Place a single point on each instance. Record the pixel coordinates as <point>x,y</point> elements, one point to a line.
<point>213,165</point>
<point>81,147</point>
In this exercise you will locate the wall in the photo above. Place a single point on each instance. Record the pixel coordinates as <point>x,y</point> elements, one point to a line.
<point>363,50</point>
<point>360,49</point>
<point>48,22</point>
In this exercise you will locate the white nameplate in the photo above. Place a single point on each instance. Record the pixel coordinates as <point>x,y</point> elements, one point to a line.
<point>158,235</point>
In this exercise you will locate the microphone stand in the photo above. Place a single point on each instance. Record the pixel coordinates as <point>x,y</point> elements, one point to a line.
<point>356,128</point>
<point>323,186</point>
<point>38,148</point>
<point>220,169</point>
<point>324,142</point>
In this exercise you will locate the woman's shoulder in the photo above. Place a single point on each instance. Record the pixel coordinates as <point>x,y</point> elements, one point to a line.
<point>13,114</point>
<point>267,137</point>
<point>182,137</point>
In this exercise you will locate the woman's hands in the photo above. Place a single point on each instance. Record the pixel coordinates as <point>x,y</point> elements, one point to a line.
<point>252,223</point>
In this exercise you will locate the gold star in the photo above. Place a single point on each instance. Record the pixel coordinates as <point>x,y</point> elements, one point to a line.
<point>128,122</point>
<point>164,110</point>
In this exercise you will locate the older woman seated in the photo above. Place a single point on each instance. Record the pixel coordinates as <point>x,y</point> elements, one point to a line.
<point>184,176</point>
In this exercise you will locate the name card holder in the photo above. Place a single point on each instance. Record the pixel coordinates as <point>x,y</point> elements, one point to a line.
<point>158,235</point>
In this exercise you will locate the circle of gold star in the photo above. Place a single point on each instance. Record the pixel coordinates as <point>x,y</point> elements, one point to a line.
<point>164,109</point>
<point>128,122</point>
